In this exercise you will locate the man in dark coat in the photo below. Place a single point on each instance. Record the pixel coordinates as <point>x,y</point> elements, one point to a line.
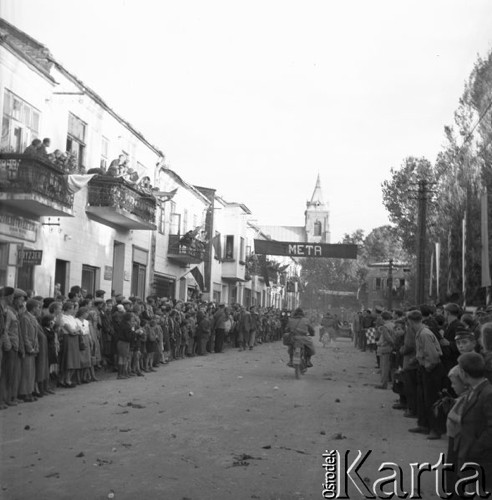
<point>452,313</point>
<point>474,442</point>
<point>244,328</point>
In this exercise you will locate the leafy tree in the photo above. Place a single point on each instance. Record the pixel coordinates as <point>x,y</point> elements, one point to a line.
<point>400,198</point>
<point>461,173</point>
<point>380,244</point>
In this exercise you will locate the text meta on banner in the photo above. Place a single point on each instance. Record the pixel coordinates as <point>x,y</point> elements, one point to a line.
<point>297,249</point>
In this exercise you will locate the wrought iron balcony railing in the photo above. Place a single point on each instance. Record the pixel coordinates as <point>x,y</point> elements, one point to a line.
<point>186,254</point>
<point>33,184</point>
<point>114,200</point>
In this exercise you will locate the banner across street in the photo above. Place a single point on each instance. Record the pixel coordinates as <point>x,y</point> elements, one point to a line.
<point>296,249</point>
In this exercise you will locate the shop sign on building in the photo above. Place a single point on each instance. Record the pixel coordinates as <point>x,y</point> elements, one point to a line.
<point>18,227</point>
<point>30,257</point>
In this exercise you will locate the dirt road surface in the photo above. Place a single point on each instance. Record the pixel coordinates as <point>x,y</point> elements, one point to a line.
<point>226,426</point>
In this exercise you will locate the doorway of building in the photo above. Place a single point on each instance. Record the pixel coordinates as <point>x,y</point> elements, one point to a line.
<point>62,274</point>
<point>90,278</point>
<point>118,268</point>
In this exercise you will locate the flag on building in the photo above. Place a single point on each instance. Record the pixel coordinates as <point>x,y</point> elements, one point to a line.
<point>217,244</point>
<point>196,273</point>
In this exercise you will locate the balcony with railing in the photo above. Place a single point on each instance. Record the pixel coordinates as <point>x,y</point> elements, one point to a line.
<point>34,186</point>
<point>115,202</point>
<point>191,253</point>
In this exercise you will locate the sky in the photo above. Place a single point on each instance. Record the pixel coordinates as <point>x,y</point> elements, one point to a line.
<point>257,98</point>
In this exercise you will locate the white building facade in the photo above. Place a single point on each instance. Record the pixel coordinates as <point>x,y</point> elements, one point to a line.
<point>99,208</point>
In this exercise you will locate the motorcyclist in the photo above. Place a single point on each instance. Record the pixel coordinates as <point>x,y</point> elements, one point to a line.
<point>299,326</point>
<point>330,325</point>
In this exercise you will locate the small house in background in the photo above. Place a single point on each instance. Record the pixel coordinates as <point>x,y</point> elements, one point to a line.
<point>387,285</point>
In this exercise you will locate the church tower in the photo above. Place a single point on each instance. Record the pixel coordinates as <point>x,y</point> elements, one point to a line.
<point>317,217</point>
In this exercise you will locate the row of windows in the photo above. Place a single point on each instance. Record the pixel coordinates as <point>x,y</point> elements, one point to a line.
<point>20,126</point>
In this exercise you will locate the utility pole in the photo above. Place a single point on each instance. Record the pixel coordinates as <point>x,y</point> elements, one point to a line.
<point>390,285</point>
<point>421,241</point>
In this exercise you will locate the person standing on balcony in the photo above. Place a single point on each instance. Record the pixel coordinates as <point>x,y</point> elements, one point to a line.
<point>33,149</point>
<point>43,147</point>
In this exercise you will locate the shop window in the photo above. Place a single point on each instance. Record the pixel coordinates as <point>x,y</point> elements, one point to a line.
<point>163,286</point>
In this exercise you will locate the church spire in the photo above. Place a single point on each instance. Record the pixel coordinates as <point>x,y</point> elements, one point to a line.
<point>317,198</point>
<point>317,217</point>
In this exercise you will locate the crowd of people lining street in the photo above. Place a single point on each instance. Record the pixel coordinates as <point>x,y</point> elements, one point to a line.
<point>66,341</point>
<point>439,360</point>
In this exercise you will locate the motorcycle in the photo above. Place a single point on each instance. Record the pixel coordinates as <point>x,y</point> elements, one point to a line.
<point>299,361</point>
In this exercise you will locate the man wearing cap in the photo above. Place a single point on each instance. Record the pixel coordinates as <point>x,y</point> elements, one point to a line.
<point>474,441</point>
<point>218,328</point>
<point>452,313</point>
<point>127,304</point>
<point>430,374</point>
<point>15,305</point>
<point>428,319</point>
<point>5,344</point>
<point>29,329</point>
<point>465,341</point>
